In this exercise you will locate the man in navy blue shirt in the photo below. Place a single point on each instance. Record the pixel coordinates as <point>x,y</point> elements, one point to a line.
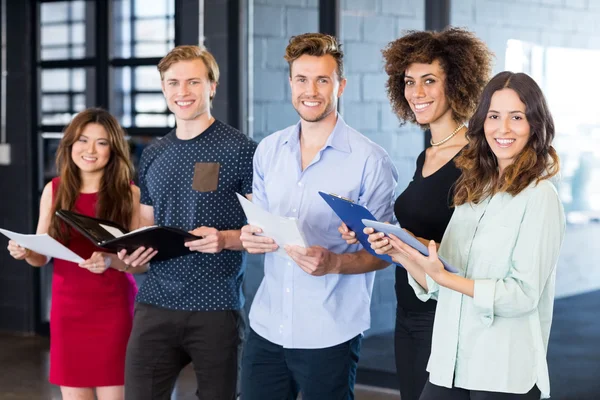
<point>187,308</point>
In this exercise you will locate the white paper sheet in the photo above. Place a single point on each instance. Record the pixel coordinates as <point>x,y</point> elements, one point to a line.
<point>112,230</point>
<point>43,244</point>
<point>285,231</point>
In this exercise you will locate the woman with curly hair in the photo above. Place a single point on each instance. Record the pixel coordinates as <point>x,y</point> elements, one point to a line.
<point>493,318</point>
<point>92,303</point>
<point>434,80</point>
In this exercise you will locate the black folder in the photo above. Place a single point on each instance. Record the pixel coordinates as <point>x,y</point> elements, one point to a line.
<point>168,241</point>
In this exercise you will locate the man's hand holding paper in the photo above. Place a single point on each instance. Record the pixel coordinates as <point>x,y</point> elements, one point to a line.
<point>267,232</point>
<point>314,260</point>
<point>255,244</point>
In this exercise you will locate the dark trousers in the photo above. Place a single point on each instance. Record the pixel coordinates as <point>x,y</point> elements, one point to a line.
<point>164,341</point>
<point>412,345</point>
<point>433,392</point>
<point>270,372</point>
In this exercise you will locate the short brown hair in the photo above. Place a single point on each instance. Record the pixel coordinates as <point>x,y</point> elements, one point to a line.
<point>189,53</point>
<point>465,59</point>
<point>315,44</point>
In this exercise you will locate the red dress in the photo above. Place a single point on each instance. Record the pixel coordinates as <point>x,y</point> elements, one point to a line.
<point>90,317</point>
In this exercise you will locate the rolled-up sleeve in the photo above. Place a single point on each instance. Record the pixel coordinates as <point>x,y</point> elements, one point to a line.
<point>533,260</point>
<point>259,196</point>
<point>377,190</point>
<point>424,295</point>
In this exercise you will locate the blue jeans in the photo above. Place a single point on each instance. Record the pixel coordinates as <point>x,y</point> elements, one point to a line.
<point>270,372</point>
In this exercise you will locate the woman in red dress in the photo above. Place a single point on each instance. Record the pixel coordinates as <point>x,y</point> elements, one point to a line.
<point>92,303</point>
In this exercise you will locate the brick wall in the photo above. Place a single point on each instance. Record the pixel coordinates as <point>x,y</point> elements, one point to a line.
<point>366,27</point>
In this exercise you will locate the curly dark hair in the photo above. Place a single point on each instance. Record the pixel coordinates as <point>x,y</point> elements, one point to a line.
<point>465,59</point>
<point>537,161</point>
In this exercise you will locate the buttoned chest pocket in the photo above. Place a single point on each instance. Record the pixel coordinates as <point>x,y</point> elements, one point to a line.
<point>206,176</point>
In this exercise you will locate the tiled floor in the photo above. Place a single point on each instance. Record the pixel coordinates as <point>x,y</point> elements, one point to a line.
<point>573,351</point>
<point>574,356</point>
<point>24,372</point>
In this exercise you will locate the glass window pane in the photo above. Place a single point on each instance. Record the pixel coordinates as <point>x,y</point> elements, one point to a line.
<point>156,8</point>
<point>55,102</point>
<point>151,49</point>
<point>152,29</point>
<point>149,120</point>
<point>55,80</point>
<point>147,78</point>
<point>78,33</point>
<point>78,79</point>
<point>55,54</point>
<point>55,34</point>
<point>150,103</point>
<point>78,10</point>
<point>79,102</point>
<point>137,97</point>
<point>143,28</point>
<point>55,12</point>
<point>64,29</point>
<point>63,94</point>
<point>78,52</point>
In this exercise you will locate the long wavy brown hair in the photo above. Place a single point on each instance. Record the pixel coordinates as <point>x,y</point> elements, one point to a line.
<point>537,161</point>
<point>465,59</point>
<point>115,200</point>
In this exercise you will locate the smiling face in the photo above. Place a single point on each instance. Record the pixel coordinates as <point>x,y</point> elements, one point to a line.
<point>425,92</point>
<point>506,128</point>
<point>315,86</point>
<point>91,151</point>
<point>187,89</point>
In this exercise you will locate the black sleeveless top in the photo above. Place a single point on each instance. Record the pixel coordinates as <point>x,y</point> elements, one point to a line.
<point>424,208</point>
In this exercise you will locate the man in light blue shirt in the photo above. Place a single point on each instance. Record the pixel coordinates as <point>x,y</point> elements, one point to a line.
<point>312,306</point>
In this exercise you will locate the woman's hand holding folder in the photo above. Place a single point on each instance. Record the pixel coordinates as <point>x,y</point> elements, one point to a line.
<point>140,257</point>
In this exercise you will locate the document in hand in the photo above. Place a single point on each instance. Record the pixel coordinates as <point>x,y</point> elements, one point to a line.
<point>406,238</point>
<point>283,230</point>
<point>352,215</point>
<point>113,238</point>
<point>43,244</point>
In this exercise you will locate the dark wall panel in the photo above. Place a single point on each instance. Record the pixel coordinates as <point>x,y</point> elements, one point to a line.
<point>17,195</point>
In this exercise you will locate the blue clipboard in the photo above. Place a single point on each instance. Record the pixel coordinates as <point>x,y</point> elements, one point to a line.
<point>406,238</point>
<point>352,215</point>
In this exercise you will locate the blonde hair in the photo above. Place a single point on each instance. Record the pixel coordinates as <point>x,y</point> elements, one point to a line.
<point>315,44</point>
<point>190,53</point>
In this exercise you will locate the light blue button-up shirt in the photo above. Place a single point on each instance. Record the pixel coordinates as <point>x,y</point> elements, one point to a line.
<point>292,308</point>
<point>497,340</point>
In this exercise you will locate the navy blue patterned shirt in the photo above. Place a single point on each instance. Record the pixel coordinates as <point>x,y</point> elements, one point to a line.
<point>182,196</point>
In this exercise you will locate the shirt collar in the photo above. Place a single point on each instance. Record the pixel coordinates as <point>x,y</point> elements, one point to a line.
<point>338,139</point>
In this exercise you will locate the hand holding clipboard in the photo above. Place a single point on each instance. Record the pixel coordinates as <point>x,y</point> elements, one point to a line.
<point>352,215</point>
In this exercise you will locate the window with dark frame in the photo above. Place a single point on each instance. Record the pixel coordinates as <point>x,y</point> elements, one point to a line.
<point>100,53</point>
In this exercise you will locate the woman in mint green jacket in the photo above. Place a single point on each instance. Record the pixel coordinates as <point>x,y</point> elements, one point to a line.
<point>493,318</point>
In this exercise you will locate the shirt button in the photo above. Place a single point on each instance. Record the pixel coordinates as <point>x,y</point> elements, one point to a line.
<point>293,210</point>
<point>287,290</point>
<point>299,183</point>
<point>290,264</point>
